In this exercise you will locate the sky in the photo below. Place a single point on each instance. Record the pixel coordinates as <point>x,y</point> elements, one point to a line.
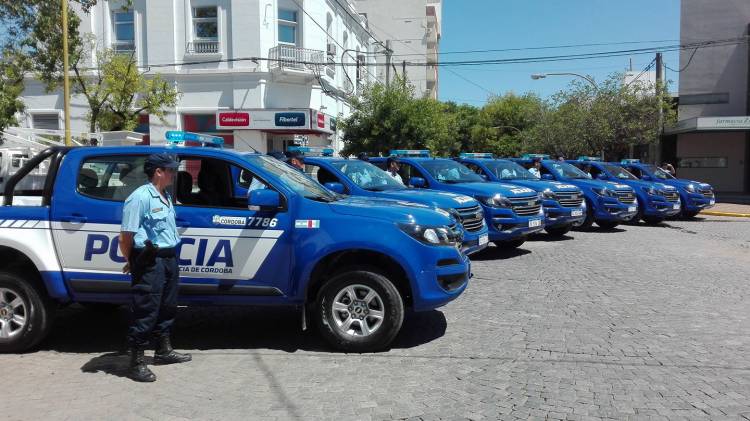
<point>503,24</point>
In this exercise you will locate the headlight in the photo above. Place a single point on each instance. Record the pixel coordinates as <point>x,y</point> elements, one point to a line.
<point>436,236</point>
<point>548,194</point>
<point>496,201</point>
<point>690,188</point>
<point>604,192</point>
<point>651,191</point>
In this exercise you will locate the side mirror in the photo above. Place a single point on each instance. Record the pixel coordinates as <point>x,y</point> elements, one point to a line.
<point>263,199</point>
<point>417,182</point>
<point>547,177</point>
<point>601,176</point>
<point>335,187</point>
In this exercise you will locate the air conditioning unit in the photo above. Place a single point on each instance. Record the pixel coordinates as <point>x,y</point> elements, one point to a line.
<point>331,49</point>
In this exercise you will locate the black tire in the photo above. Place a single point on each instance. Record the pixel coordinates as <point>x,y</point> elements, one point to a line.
<point>589,221</point>
<point>35,308</point>
<point>389,298</point>
<point>653,220</point>
<point>691,214</point>
<point>512,244</point>
<point>607,225</point>
<point>558,231</point>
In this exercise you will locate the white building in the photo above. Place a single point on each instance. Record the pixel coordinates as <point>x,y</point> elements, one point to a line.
<point>412,28</point>
<point>206,48</point>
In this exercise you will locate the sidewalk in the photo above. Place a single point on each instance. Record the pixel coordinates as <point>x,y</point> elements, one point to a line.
<point>728,209</point>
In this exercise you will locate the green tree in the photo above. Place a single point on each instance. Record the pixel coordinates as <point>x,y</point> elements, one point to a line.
<point>390,117</point>
<point>464,118</point>
<point>503,122</point>
<point>11,87</point>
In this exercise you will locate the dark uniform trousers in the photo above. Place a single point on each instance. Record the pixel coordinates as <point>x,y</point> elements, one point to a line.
<point>154,290</point>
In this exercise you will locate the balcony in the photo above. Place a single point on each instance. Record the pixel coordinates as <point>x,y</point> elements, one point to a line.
<point>203,47</point>
<point>291,59</point>
<point>123,47</point>
<point>431,36</point>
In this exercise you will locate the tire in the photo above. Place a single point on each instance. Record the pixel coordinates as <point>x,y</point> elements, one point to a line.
<point>607,225</point>
<point>691,214</point>
<point>589,221</point>
<point>653,220</point>
<point>512,244</point>
<point>21,299</point>
<point>558,231</point>
<point>387,302</point>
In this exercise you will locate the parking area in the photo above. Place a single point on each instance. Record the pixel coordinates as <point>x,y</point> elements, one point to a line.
<point>636,322</point>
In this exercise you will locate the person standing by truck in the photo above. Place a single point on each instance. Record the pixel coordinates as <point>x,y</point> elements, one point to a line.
<point>148,240</point>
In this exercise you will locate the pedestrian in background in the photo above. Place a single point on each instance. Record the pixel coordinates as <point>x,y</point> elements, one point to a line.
<point>148,240</point>
<point>296,159</point>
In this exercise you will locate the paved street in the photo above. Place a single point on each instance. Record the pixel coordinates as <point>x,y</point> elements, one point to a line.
<point>639,322</point>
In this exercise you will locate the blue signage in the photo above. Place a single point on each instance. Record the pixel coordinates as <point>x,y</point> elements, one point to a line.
<point>290,119</point>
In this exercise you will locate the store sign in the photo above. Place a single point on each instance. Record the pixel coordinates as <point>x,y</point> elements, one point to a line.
<point>233,119</point>
<point>718,123</point>
<point>290,119</point>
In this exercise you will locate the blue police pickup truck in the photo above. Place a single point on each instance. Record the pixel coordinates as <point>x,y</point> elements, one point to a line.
<point>656,201</point>
<point>511,212</point>
<point>607,203</point>
<point>564,204</point>
<point>353,265</point>
<point>695,196</point>
<point>360,178</point>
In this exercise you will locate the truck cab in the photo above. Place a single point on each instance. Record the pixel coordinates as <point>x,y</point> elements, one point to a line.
<point>695,196</point>
<point>353,265</point>
<point>656,201</point>
<point>564,204</point>
<point>360,178</point>
<point>607,204</point>
<point>511,212</point>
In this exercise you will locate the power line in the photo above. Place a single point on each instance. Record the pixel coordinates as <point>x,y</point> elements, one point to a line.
<point>645,69</point>
<point>690,60</point>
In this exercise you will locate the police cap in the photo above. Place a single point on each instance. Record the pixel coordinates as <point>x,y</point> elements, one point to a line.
<point>160,160</point>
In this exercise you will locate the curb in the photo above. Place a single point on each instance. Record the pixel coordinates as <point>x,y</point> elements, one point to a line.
<point>736,215</point>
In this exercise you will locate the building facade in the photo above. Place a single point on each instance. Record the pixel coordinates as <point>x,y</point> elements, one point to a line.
<point>262,74</point>
<point>412,31</point>
<point>713,133</point>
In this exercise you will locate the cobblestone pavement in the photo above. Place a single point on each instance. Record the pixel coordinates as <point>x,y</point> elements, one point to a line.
<point>634,323</point>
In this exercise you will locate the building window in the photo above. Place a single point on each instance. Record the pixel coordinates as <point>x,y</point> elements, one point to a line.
<point>205,31</point>
<point>124,31</point>
<point>46,121</point>
<point>288,26</point>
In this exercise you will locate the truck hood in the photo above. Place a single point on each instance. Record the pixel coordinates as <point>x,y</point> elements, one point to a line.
<point>490,189</point>
<point>647,184</point>
<point>541,185</point>
<point>682,182</point>
<point>433,198</point>
<point>402,211</point>
<point>598,184</point>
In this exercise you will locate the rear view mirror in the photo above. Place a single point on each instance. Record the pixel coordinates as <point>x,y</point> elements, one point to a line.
<point>417,182</point>
<point>263,199</point>
<point>547,177</point>
<point>335,187</point>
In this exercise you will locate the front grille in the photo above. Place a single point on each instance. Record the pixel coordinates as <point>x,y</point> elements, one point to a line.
<point>472,218</point>
<point>526,206</point>
<point>671,196</point>
<point>707,193</point>
<point>625,196</point>
<point>569,200</point>
<point>455,235</point>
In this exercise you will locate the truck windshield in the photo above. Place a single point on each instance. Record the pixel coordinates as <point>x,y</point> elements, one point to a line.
<point>367,176</point>
<point>451,172</point>
<point>659,173</point>
<point>506,170</point>
<point>620,172</point>
<point>565,170</point>
<point>293,179</point>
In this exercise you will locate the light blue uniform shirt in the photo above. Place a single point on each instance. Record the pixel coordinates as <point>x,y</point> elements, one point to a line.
<point>146,214</point>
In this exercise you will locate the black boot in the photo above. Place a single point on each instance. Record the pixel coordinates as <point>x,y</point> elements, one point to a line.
<point>138,369</point>
<point>166,355</point>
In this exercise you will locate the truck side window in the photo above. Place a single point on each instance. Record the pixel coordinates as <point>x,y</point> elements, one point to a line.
<point>320,174</point>
<point>636,171</point>
<point>407,171</point>
<point>209,182</point>
<point>111,177</point>
<point>475,168</point>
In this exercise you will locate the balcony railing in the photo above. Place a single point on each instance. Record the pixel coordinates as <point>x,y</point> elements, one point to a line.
<point>203,47</point>
<point>288,57</point>
<point>123,47</point>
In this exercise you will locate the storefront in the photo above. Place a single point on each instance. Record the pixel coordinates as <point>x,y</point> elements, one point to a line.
<point>714,150</point>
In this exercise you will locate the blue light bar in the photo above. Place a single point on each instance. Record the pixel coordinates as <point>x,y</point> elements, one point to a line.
<point>589,158</point>
<point>476,155</point>
<point>630,161</point>
<point>536,155</point>
<point>419,153</point>
<point>311,150</point>
<point>175,136</point>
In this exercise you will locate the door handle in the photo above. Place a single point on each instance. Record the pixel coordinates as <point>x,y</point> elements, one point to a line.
<point>75,219</point>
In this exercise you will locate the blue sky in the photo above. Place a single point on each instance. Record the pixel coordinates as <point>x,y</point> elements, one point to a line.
<point>500,24</point>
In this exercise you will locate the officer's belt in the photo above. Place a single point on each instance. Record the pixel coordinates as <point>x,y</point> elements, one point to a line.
<point>162,252</point>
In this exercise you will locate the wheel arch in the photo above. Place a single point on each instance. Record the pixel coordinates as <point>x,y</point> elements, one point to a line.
<point>18,263</point>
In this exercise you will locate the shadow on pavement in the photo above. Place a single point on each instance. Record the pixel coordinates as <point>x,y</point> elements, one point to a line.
<point>549,238</point>
<point>494,253</point>
<point>600,230</point>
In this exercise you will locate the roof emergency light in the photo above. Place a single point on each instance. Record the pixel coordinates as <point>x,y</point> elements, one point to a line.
<point>589,158</point>
<point>311,150</point>
<point>176,137</point>
<point>476,155</point>
<point>414,153</point>
<point>630,161</point>
<point>536,155</point>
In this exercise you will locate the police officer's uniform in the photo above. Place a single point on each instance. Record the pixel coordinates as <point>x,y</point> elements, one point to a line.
<point>155,271</point>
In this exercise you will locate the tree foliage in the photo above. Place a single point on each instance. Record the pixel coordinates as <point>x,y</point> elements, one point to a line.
<point>11,87</point>
<point>503,122</point>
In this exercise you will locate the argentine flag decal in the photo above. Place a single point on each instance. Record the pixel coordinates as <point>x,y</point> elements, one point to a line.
<point>307,223</point>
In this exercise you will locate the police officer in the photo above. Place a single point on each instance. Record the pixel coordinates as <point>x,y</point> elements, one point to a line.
<point>536,167</point>
<point>148,239</point>
<point>296,159</point>
<point>393,166</point>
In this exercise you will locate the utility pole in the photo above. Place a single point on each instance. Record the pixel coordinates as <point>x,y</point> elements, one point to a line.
<point>659,86</point>
<point>388,53</point>
<point>403,72</point>
<point>66,80</point>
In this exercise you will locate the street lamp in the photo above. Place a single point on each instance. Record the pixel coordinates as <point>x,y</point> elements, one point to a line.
<point>537,76</point>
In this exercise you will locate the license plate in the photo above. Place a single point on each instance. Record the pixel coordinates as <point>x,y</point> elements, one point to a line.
<point>484,239</point>
<point>632,208</point>
<point>535,223</point>
<point>676,207</point>
<point>576,213</point>
<point>712,202</point>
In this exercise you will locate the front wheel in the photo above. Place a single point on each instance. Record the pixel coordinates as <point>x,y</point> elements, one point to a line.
<point>607,225</point>
<point>359,311</point>
<point>25,316</point>
<point>558,231</point>
<point>512,244</point>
